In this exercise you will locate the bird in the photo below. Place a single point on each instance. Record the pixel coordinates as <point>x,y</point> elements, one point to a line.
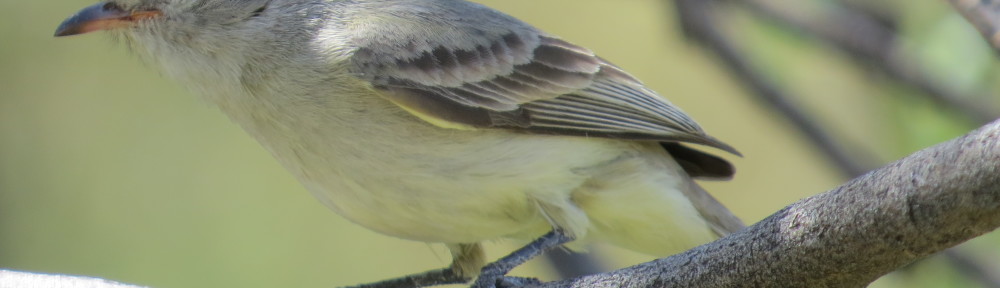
<point>441,121</point>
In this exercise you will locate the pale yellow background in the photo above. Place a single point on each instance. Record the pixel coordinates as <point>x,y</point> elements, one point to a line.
<point>108,169</point>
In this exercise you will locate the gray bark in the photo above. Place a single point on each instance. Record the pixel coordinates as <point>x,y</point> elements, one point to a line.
<point>851,235</point>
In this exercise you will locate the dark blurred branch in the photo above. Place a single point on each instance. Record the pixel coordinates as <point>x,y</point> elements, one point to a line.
<point>699,21</point>
<point>885,13</point>
<point>867,39</point>
<point>571,265</point>
<point>872,43</point>
<point>984,15</point>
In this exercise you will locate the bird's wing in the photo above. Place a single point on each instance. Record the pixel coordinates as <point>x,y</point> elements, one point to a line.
<point>519,79</point>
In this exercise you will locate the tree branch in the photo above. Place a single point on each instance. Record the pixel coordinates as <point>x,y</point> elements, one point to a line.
<point>849,236</point>
<point>867,40</point>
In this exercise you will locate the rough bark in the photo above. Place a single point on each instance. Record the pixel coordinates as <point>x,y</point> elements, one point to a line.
<point>851,235</point>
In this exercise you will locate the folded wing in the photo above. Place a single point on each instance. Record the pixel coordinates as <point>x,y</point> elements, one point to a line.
<point>526,81</point>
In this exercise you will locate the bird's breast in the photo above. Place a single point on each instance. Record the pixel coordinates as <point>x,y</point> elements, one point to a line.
<point>383,168</point>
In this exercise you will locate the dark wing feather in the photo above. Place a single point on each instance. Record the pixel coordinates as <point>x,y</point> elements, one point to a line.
<point>526,81</point>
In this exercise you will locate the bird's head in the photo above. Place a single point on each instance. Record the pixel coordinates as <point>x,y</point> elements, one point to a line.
<point>152,14</point>
<point>186,20</point>
<point>200,40</point>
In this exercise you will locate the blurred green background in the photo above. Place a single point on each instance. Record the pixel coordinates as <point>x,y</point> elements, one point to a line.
<point>108,169</point>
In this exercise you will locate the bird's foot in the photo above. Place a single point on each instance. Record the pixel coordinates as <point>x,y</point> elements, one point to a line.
<point>494,275</point>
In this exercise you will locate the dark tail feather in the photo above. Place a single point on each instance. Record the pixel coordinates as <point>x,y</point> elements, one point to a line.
<point>699,164</point>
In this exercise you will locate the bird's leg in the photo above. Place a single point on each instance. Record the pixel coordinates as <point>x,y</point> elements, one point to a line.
<point>494,274</point>
<point>467,260</point>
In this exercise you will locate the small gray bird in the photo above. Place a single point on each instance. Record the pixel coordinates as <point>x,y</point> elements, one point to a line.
<point>441,121</point>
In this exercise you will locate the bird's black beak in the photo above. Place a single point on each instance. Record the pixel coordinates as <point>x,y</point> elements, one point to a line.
<point>102,16</point>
